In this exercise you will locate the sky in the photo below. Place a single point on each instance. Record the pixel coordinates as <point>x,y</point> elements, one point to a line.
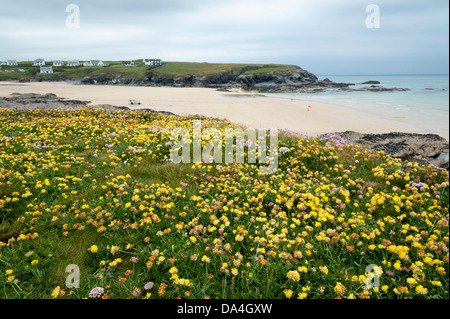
<point>332,37</point>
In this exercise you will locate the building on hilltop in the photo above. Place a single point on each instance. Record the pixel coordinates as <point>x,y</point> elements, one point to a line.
<point>39,62</point>
<point>73,63</point>
<point>94,63</point>
<point>46,70</point>
<point>152,62</point>
<point>97,63</point>
<point>58,63</point>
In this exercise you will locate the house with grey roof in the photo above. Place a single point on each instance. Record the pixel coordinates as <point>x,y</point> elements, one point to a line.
<point>58,63</point>
<point>94,63</point>
<point>73,63</point>
<point>46,70</point>
<point>97,63</point>
<point>152,62</point>
<point>11,62</point>
<point>39,62</point>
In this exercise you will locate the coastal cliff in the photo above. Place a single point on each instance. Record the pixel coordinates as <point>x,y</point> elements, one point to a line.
<point>264,79</point>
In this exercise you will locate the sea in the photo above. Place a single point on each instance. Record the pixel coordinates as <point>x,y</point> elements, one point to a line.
<point>426,105</point>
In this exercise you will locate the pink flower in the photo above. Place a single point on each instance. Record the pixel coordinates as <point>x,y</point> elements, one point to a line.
<point>134,259</point>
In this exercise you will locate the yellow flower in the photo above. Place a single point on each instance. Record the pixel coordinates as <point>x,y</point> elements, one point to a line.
<point>234,272</point>
<point>288,293</point>
<point>302,295</point>
<point>339,289</point>
<point>411,281</point>
<point>10,278</point>
<point>55,292</point>
<point>293,275</point>
<point>324,269</point>
<point>9,271</point>
<point>94,248</point>
<point>206,259</point>
<point>34,262</point>
<point>173,270</point>
<point>421,290</point>
<point>436,283</point>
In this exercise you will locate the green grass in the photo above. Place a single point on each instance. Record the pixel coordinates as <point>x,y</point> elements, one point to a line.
<point>200,69</point>
<point>271,69</point>
<point>189,68</point>
<point>139,70</point>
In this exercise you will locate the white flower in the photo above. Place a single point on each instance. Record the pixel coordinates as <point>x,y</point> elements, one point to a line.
<point>96,292</point>
<point>284,150</point>
<point>148,285</point>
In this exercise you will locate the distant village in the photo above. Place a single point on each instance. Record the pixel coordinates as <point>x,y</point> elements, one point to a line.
<point>46,67</point>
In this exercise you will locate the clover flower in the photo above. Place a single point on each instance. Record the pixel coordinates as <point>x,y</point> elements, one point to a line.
<point>339,289</point>
<point>149,285</point>
<point>293,275</point>
<point>96,292</point>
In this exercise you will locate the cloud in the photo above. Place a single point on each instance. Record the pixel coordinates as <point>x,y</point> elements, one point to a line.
<point>323,36</point>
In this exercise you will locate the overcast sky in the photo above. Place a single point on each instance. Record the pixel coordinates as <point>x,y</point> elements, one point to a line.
<point>322,36</point>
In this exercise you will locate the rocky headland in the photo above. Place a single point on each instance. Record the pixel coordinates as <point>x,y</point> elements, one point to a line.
<point>295,80</point>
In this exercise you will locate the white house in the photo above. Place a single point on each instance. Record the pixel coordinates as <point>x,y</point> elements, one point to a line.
<point>128,63</point>
<point>97,63</point>
<point>39,62</point>
<point>152,62</point>
<point>11,62</point>
<point>87,63</point>
<point>46,69</point>
<point>58,63</point>
<point>73,63</point>
<point>3,63</point>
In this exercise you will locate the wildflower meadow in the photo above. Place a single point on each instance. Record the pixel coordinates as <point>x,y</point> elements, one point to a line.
<point>91,206</point>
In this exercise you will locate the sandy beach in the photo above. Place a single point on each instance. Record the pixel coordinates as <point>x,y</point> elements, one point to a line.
<point>258,111</point>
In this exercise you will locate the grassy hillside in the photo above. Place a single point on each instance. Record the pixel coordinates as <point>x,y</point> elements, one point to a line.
<point>96,190</point>
<point>200,69</point>
<point>138,71</point>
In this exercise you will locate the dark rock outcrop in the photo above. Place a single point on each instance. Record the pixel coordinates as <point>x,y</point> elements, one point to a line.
<point>34,100</point>
<point>51,101</point>
<point>371,82</point>
<point>420,148</point>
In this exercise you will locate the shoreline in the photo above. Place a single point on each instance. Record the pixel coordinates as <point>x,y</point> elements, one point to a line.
<point>253,110</point>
